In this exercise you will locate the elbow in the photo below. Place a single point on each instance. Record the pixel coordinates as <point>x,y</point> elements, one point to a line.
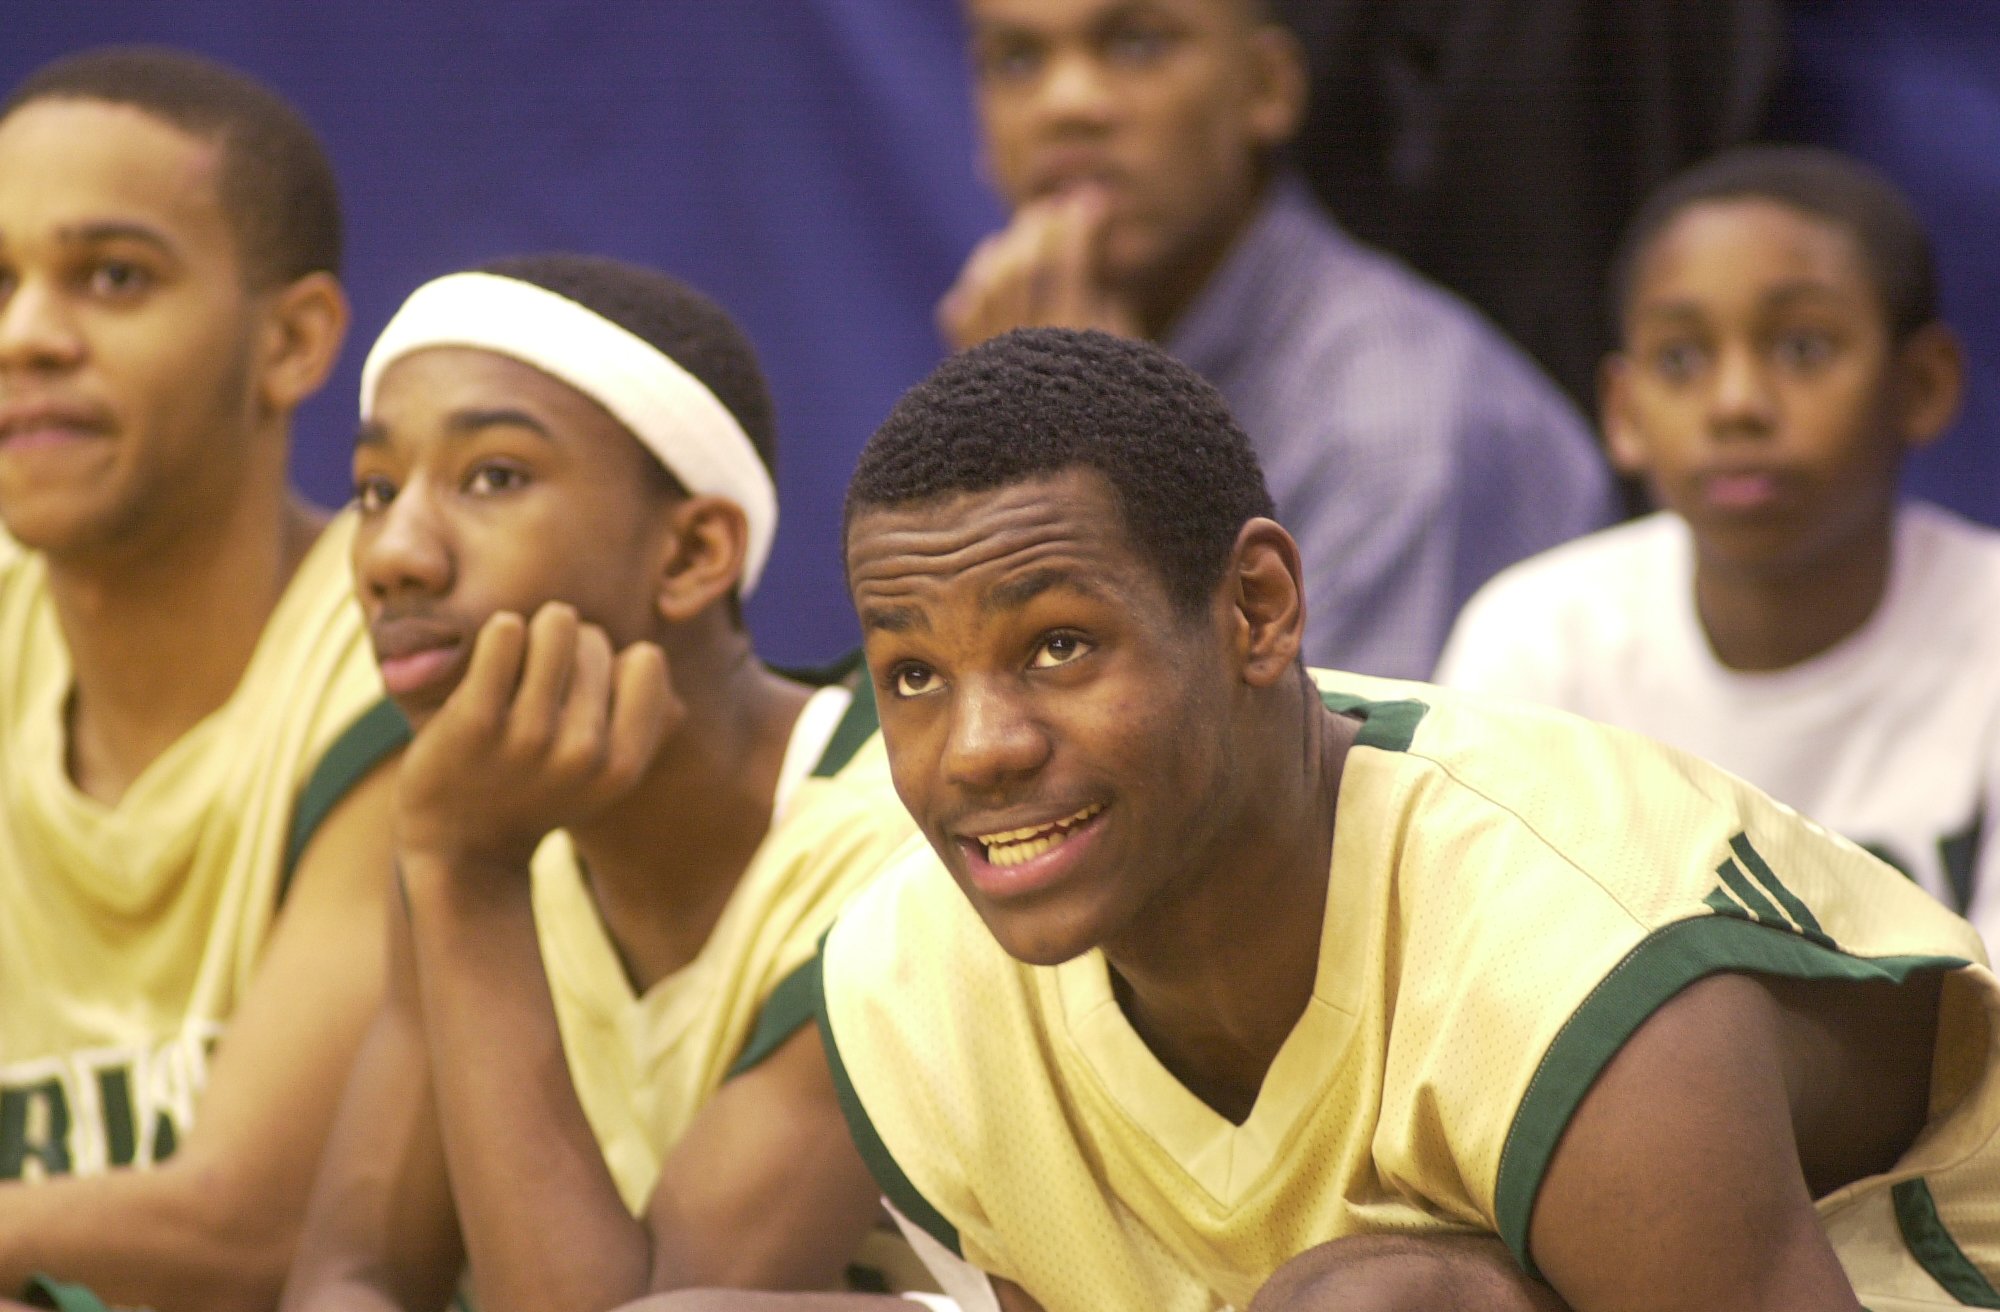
<point>241,1240</point>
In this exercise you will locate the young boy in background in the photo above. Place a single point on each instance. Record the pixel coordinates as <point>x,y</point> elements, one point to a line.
<point>1786,615</point>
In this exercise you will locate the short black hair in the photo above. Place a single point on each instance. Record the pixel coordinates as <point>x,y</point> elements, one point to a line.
<point>1816,181</point>
<point>678,321</point>
<point>276,185</point>
<point>1039,401</point>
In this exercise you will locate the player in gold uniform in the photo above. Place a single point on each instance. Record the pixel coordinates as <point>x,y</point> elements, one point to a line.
<point>1226,989</point>
<point>597,1073</point>
<point>193,824</point>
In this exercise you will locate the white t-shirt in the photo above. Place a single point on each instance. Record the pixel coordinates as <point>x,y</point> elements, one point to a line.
<point>1891,737</point>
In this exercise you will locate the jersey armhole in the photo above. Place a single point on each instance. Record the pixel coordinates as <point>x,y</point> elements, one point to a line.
<point>1651,974</point>
<point>377,734</point>
<point>896,1186</point>
<point>857,724</point>
<point>787,1010</point>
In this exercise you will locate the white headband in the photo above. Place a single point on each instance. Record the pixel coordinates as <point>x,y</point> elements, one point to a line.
<point>667,408</point>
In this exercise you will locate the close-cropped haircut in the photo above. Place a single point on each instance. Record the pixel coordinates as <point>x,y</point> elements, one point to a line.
<point>276,184</point>
<point>673,318</point>
<point>1037,402</point>
<point>1821,183</point>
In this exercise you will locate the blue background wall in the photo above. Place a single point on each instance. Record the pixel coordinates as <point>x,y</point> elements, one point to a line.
<point>810,163</point>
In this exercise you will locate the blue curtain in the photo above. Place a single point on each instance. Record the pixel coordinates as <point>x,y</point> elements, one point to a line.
<point>807,162</point>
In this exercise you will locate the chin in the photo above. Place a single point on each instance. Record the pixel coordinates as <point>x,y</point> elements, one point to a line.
<point>1041,937</point>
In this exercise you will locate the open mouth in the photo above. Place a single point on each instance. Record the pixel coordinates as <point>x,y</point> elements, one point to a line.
<point>1013,847</point>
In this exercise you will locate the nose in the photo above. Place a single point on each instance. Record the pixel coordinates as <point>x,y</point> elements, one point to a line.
<point>1741,400</point>
<point>1074,90</point>
<point>36,330</point>
<point>404,549</point>
<point>995,738</point>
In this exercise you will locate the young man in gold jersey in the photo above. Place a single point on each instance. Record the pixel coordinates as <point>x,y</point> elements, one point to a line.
<point>194,843</point>
<point>1229,985</point>
<point>620,834</point>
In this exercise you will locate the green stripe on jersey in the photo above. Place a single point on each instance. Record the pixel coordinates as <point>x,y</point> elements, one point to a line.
<point>855,728</point>
<point>1746,892</point>
<point>1659,967</point>
<point>788,1010</point>
<point>44,1292</point>
<point>1801,915</point>
<point>881,1164</point>
<point>1387,726</point>
<point>377,734</point>
<point>1934,1248</point>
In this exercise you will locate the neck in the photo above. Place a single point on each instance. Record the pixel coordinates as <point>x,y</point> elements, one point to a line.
<point>1216,979</point>
<point>202,590</point>
<point>1770,619</point>
<point>664,860</point>
<point>1164,296</point>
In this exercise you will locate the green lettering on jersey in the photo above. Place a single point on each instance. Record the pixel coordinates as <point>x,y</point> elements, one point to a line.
<point>34,1127</point>
<point>114,1092</point>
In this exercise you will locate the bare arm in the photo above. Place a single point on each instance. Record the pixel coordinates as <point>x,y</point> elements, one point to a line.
<point>213,1226</point>
<point>381,1231</point>
<point>764,1189</point>
<point>1678,1185</point>
<point>1406,1273</point>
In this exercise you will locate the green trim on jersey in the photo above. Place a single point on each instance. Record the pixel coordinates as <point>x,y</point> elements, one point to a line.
<point>788,1010</point>
<point>860,720</point>
<point>881,1163</point>
<point>1388,726</point>
<point>375,735</point>
<point>41,1291</point>
<point>856,727</point>
<point>1664,962</point>
<point>1934,1248</point>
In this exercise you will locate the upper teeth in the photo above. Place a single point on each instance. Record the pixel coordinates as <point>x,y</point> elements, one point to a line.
<point>1033,831</point>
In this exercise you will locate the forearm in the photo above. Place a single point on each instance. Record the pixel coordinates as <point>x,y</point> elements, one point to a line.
<point>179,1236</point>
<point>543,1223</point>
<point>1406,1273</point>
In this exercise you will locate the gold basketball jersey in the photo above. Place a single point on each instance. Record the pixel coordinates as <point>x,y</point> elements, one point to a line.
<point>1511,893</point>
<point>128,933</point>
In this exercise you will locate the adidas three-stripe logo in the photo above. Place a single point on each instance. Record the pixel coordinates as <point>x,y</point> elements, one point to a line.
<point>1751,890</point>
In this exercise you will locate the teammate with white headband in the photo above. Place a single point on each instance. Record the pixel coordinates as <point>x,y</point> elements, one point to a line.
<point>672,413</point>
<point>620,835</point>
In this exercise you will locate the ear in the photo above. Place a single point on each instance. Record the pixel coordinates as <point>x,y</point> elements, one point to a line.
<point>303,328</point>
<point>1930,384</point>
<point>1264,593</point>
<point>708,538</point>
<point>1278,86</point>
<point>1621,435</point>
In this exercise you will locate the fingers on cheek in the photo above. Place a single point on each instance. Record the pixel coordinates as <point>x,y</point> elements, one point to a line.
<point>643,708</point>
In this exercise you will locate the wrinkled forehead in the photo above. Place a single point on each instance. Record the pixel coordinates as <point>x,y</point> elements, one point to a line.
<point>973,539</point>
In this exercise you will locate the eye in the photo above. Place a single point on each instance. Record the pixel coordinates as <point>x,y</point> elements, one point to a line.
<point>1008,60</point>
<point>118,279</point>
<point>1677,362</point>
<point>373,494</point>
<point>492,478</point>
<point>913,680</point>
<point>1058,649</point>
<point>1136,45</point>
<point>1804,350</point>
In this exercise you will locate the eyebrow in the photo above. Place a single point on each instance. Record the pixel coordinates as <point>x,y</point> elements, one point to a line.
<point>1785,293</point>
<point>464,423</point>
<point>1018,591</point>
<point>117,230</point>
<point>894,619</point>
<point>461,424</point>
